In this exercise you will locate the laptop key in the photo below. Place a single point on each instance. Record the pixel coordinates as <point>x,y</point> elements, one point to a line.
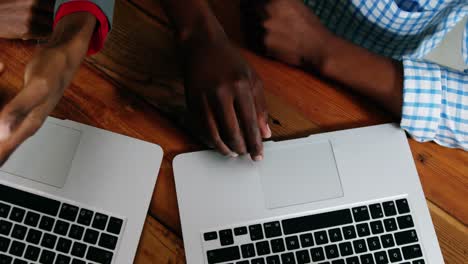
<point>405,221</point>
<point>376,227</point>
<point>63,245</point>
<point>68,212</point>
<point>226,237</point>
<point>271,260</point>
<point>360,213</point>
<point>4,259</point>
<point>373,243</point>
<point>411,252</point>
<point>376,211</point>
<point>4,210</point>
<point>352,260</point>
<point>61,228</point>
<point>303,256</point>
<point>256,232</point>
<point>390,224</point>
<point>239,231</point>
<point>321,237</point>
<point>210,236</point>
<point>349,232</point>
<point>62,259</point>
<point>19,232</point>
<point>29,200</point>
<point>32,219</point>
<point>91,236</point>
<point>367,259</point>
<point>32,253</point>
<point>402,206</point>
<point>248,250</point>
<point>78,249</point>
<point>100,221</point>
<point>418,261</point>
<point>363,229</point>
<point>395,255</point>
<point>19,261</point>
<point>381,257</point>
<point>85,217</point>
<point>214,256</point>
<point>263,248</point>
<point>17,248</point>
<point>346,249</point>
<point>288,258</point>
<point>306,240</point>
<point>76,232</point>
<point>5,227</point>
<point>389,208</point>
<point>47,257</point>
<point>317,221</point>
<point>4,244</point>
<point>46,223</point>
<point>258,261</point>
<point>317,254</point>
<point>48,241</point>
<point>277,245</point>
<point>335,235</point>
<point>338,261</point>
<point>78,261</point>
<point>292,243</point>
<point>406,237</point>
<point>359,246</point>
<point>387,240</point>
<point>115,225</point>
<point>108,241</point>
<point>34,236</point>
<point>331,251</point>
<point>17,214</point>
<point>272,229</point>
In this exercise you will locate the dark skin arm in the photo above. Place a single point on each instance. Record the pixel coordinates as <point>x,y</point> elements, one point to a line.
<point>224,94</point>
<point>46,77</point>
<point>313,47</point>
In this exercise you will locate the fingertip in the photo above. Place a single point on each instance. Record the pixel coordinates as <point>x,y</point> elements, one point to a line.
<point>5,131</point>
<point>257,158</point>
<point>2,67</point>
<point>267,132</point>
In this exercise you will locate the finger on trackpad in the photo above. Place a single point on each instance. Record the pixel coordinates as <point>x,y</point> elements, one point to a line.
<point>298,174</point>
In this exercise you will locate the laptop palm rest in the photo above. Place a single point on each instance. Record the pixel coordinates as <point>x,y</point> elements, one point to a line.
<point>298,174</point>
<point>47,156</point>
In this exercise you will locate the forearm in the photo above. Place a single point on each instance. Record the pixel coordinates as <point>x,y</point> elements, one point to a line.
<point>193,19</point>
<point>369,74</point>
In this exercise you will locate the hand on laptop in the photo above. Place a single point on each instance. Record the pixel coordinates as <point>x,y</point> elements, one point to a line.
<point>45,79</point>
<point>25,19</point>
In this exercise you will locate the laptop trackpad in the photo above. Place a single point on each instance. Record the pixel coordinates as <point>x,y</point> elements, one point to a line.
<point>47,156</point>
<point>299,174</point>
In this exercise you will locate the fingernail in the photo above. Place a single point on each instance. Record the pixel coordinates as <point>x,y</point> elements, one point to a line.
<point>268,133</point>
<point>233,155</point>
<point>4,131</point>
<point>258,158</point>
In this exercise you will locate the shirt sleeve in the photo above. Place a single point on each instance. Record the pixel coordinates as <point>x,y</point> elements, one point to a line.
<point>101,9</point>
<point>435,103</point>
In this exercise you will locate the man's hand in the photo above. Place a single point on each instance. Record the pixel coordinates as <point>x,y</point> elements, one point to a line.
<point>225,97</point>
<point>286,30</point>
<point>46,77</point>
<point>224,94</point>
<point>26,19</point>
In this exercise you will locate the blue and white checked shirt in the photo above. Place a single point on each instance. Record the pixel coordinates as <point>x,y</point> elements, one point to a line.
<point>435,98</point>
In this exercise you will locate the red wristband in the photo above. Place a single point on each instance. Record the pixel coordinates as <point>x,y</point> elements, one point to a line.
<point>102,26</point>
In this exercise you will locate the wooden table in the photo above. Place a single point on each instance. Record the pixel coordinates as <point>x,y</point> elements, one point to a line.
<point>141,55</point>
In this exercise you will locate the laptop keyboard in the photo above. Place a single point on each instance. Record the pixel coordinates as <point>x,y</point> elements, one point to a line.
<point>375,233</point>
<point>37,229</point>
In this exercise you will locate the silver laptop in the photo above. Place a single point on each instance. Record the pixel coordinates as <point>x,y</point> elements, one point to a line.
<point>75,194</point>
<point>346,197</point>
